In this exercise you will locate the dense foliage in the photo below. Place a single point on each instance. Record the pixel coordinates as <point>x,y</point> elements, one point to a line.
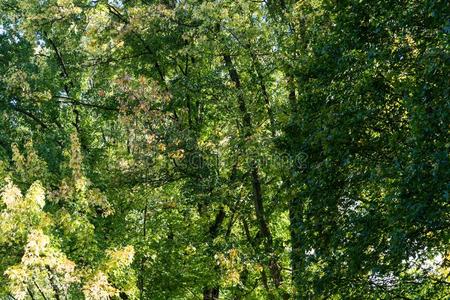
<point>188,149</point>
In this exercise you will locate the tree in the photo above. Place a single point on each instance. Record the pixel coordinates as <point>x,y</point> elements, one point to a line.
<point>223,149</point>
<point>371,201</point>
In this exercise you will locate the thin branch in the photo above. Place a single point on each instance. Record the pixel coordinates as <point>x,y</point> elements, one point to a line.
<point>11,296</point>
<point>53,283</point>
<point>150,51</point>
<point>40,291</point>
<point>79,103</point>
<point>29,115</point>
<point>30,293</point>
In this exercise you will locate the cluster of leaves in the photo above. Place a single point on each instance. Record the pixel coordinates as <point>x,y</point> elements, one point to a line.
<point>233,149</point>
<point>372,115</point>
<point>37,234</point>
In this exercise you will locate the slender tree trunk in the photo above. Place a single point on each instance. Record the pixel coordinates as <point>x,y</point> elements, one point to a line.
<point>292,98</point>
<point>30,293</point>
<point>39,289</point>
<point>256,182</point>
<point>250,240</point>
<point>295,218</point>
<point>142,266</point>
<point>265,94</point>
<point>211,293</point>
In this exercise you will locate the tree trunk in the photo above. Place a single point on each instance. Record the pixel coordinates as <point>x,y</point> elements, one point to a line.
<point>296,252</point>
<point>256,182</point>
<point>211,293</point>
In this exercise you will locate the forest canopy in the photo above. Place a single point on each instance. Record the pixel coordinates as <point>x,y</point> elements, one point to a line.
<point>224,149</point>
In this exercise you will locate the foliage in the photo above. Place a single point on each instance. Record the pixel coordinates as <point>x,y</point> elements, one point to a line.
<point>189,149</point>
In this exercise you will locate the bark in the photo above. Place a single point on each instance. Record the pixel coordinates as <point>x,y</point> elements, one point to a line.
<point>39,289</point>
<point>265,94</point>
<point>67,85</point>
<point>211,293</point>
<point>29,293</point>
<point>142,266</point>
<point>292,98</point>
<point>255,178</point>
<point>214,228</point>
<point>53,283</point>
<point>295,217</point>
